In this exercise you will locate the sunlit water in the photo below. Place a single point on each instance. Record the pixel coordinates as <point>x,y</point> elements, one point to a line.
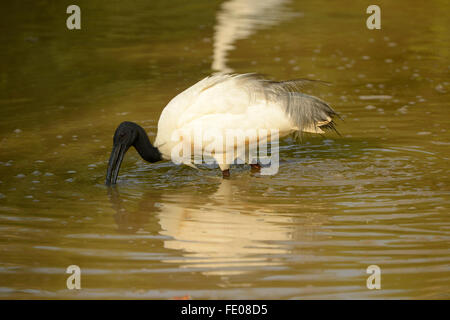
<point>378,194</point>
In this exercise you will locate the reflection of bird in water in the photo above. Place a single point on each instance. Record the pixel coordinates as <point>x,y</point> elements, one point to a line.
<point>238,19</point>
<point>220,232</point>
<point>132,222</point>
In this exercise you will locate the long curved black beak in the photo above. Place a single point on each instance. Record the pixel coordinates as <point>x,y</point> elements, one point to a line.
<point>115,160</point>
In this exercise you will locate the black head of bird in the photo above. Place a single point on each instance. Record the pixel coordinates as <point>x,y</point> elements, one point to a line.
<point>126,135</point>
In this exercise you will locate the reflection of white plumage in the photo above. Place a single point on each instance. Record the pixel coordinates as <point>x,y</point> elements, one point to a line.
<point>238,19</point>
<point>220,232</point>
<point>225,102</point>
<point>224,234</point>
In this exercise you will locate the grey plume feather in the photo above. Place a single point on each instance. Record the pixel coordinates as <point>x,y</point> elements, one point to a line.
<point>308,113</point>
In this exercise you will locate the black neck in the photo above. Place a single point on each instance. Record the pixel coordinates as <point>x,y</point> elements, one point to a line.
<point>145,148</point>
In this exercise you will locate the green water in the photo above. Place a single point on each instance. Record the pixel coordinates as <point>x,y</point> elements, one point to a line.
<point>378,194</point>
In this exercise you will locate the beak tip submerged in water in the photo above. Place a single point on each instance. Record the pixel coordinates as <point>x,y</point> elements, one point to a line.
<point>109,181</point>
<point>115,160</point>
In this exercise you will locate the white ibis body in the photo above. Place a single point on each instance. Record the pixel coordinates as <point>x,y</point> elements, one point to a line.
<point>224,102</point>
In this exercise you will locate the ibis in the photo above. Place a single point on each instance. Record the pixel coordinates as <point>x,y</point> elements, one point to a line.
<point>222,102</point>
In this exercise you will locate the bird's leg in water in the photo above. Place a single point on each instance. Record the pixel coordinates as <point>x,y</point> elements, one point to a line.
<point>255,167</point>
<point>226,173</point>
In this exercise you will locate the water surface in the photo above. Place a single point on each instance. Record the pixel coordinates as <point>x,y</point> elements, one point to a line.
<point>377,194</point>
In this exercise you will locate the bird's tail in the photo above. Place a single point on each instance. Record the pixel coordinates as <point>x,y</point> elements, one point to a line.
<point>307,113</point>
<point>310,114</point>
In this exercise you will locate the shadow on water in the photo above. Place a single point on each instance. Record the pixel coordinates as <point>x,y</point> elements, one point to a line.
<point>130,222</point>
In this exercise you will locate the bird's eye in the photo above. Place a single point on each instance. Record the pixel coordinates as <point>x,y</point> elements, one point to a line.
<point>122,134</point>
